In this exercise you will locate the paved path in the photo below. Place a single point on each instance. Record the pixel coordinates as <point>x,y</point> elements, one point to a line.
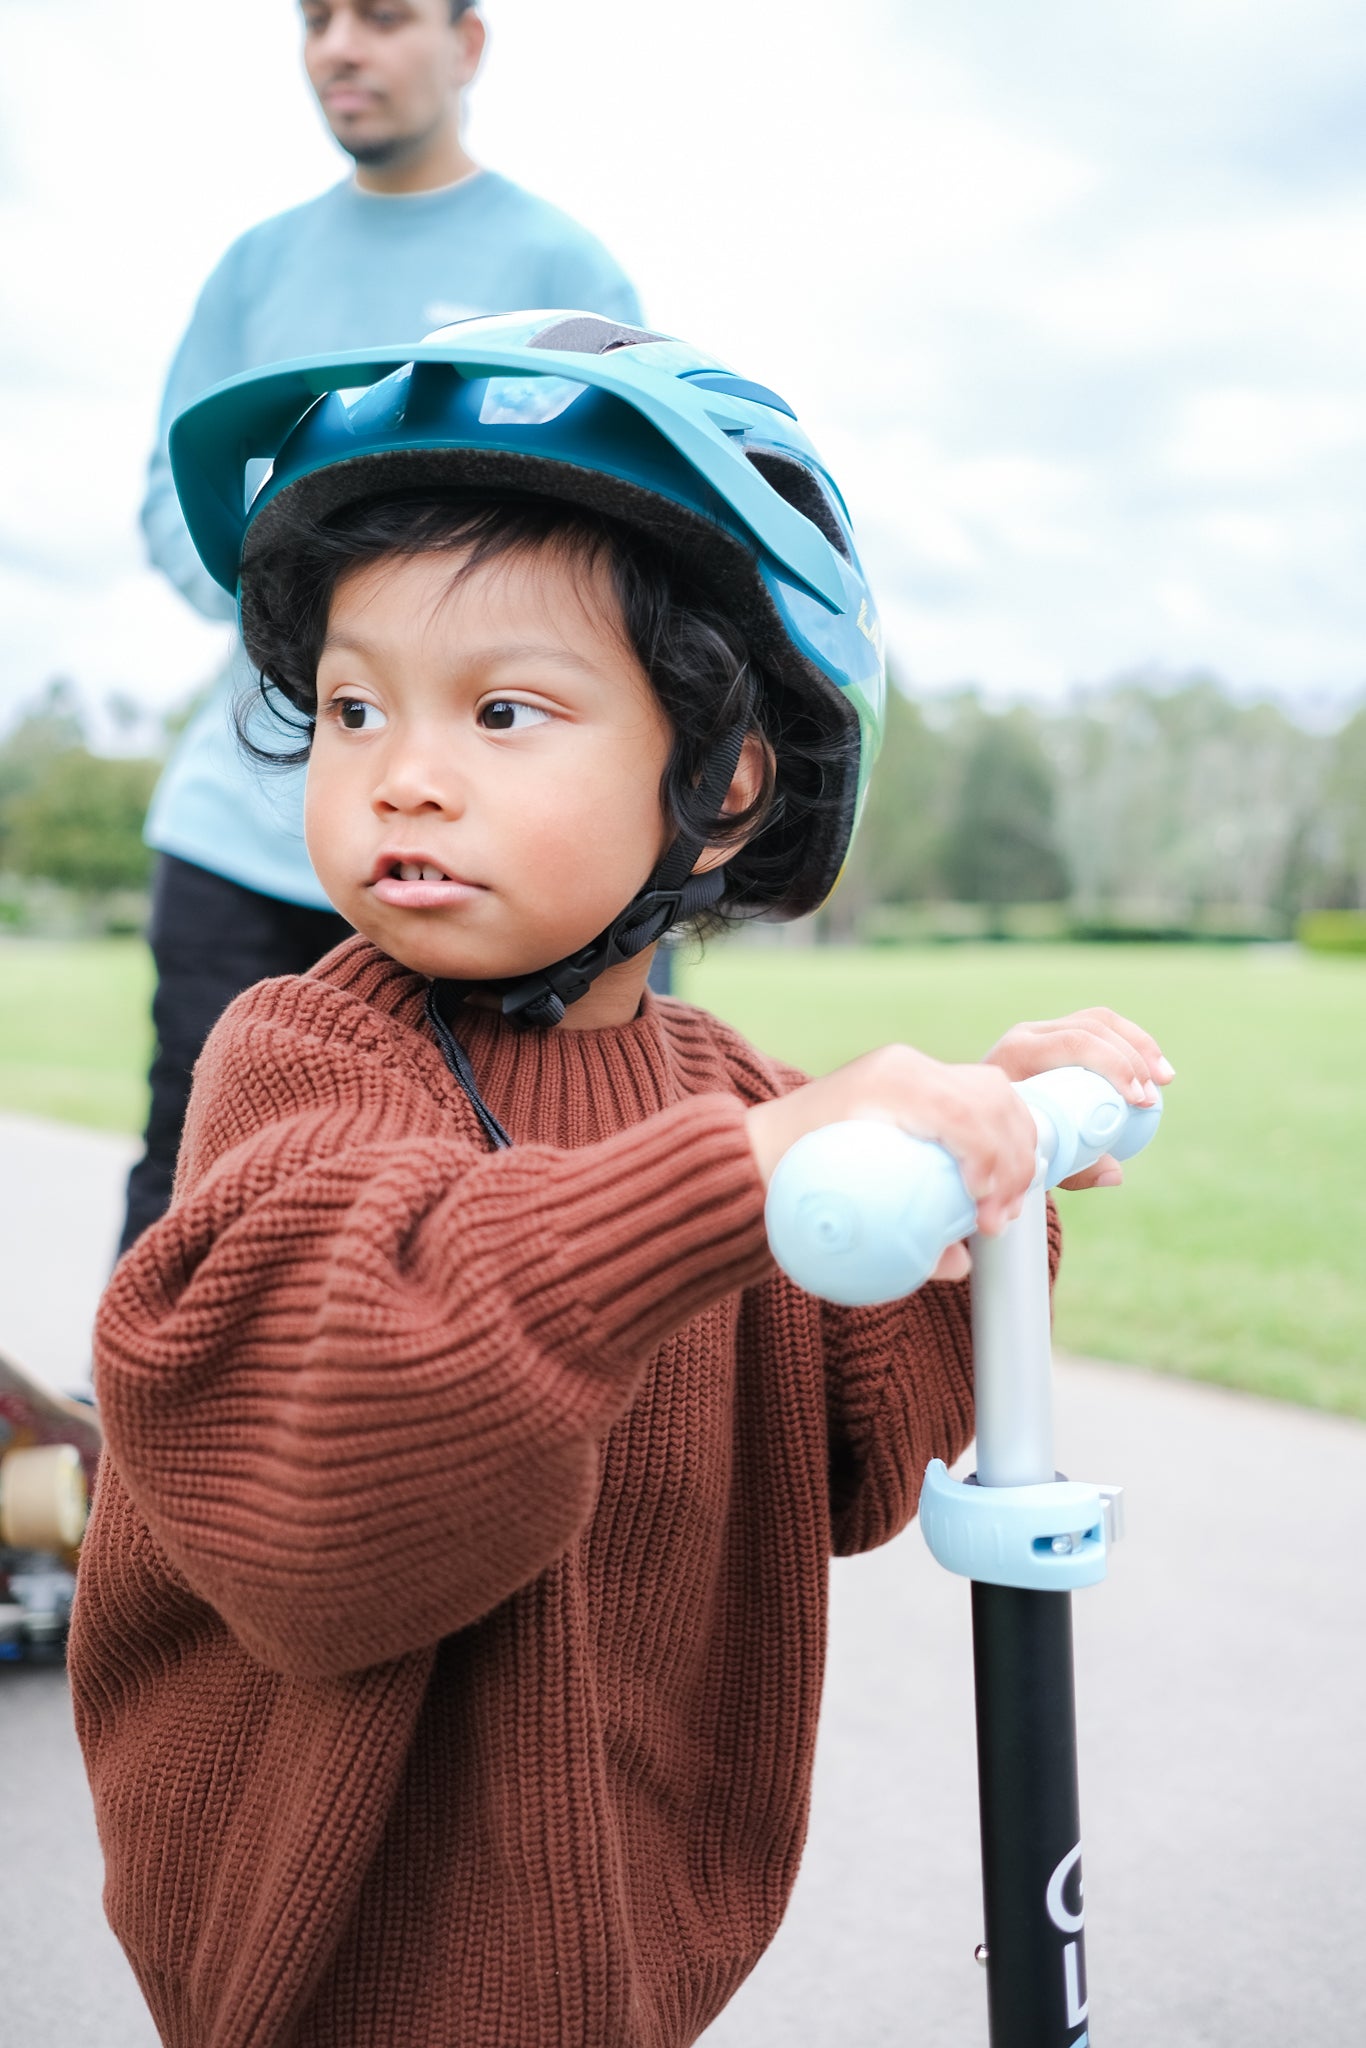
<point>61,1210</point>
<point>1222,1699</point>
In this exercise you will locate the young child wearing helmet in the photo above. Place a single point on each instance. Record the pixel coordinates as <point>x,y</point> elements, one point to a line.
<point>451,1618</point>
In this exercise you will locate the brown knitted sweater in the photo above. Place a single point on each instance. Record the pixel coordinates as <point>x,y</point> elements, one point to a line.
<point>451,1621</point>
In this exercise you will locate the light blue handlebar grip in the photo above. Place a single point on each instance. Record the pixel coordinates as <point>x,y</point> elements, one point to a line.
<point>1080,1115</point>
<point>861,1212</point>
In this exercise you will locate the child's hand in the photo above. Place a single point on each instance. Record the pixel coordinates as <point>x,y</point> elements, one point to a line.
<point>1108,1044</point>
<point>972,1111</point>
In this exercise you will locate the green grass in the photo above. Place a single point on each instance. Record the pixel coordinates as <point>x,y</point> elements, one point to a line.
<point>1237,1250</point>
<point>75,1034</point>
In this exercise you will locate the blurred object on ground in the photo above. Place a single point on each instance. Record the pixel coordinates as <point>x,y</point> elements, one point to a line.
<point>49,1448</point>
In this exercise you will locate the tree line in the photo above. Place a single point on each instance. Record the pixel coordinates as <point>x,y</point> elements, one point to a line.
<point>69,816</point>
<point>1141,807</point>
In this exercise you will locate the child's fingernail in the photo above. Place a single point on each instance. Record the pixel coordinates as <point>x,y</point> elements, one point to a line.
<point>1138,1091</point>
<point>1111,1178</point>
<point>1165,1070</point>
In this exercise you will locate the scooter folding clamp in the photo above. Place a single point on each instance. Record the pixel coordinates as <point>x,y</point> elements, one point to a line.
<point>1050,1538</point>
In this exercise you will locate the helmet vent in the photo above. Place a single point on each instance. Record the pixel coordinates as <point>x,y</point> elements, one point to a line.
<point>586,334</point>
<point>804,491</point>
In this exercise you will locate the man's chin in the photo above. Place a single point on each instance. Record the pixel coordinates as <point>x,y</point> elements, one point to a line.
<point>372,152</point>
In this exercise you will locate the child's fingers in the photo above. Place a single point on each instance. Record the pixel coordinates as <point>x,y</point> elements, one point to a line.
<point>1143,1042</point>
<point>954,1264</point>
<point>1106,1173</point>
<point>1150,1062</point>
<point>991,1135</point>
<point>1108,1052</point>
<point>1097,1039</point>
<point>971,1110</point>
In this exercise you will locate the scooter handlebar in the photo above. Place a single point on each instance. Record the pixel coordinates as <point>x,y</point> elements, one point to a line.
<point>861,1212</point>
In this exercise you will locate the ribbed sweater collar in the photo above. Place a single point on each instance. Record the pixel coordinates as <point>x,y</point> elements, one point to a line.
<point>556,1087</point>
<point>570,1088</point>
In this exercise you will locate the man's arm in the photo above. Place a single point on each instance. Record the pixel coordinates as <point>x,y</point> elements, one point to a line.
<point>212,348</point>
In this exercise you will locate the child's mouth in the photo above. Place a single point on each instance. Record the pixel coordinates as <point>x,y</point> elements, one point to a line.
<point>419,884</point>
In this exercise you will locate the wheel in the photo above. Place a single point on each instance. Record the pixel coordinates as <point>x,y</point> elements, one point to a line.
<point>43,1498</point>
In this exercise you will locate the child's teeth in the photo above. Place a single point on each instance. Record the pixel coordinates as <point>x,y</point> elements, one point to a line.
<point>409,871</point>
<point>432,875</point>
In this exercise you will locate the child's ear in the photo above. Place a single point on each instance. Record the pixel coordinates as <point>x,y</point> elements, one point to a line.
<point>752,770</point>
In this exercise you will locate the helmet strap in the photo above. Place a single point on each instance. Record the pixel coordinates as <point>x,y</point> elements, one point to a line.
<point>672,895</point>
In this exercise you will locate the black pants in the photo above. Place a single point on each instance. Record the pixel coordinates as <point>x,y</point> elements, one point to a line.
<point>210,939</point>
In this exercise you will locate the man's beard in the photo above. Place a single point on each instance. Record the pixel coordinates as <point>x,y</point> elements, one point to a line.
<point>389,149</point>
<point>375,154</point>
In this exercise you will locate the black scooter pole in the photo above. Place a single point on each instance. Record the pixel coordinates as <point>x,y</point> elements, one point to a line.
<point>1022,1661</point>
<point>1031,1829</point>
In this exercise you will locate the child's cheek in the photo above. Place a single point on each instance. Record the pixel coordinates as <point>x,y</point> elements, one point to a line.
<point>330,827</point>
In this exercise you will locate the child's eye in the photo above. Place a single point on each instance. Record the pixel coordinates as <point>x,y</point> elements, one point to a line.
<point>505,715</point>
<point>356,714</point>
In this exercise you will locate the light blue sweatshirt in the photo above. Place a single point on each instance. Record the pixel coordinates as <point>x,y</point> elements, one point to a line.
<point>347,270</point>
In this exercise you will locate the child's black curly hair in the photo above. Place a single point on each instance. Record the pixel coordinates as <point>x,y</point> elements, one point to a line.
<point>694,656</point>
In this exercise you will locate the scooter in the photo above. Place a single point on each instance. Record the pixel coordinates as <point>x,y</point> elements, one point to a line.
<point>861,1212</point>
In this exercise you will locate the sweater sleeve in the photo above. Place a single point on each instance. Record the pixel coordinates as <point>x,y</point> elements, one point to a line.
<point>898,1393</point>
<point>357,1379</point>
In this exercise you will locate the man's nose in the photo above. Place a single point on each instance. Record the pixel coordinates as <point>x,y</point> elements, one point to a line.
<point>340,42</point>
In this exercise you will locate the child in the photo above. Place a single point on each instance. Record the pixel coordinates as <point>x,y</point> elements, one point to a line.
<point>451,1619</point>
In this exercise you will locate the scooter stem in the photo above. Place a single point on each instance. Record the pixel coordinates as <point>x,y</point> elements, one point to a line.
<point>1013,1351</point>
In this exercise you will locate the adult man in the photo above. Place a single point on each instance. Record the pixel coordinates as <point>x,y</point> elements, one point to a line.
<point>419,236</point>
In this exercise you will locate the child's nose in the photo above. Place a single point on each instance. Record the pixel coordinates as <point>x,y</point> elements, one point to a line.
<point>410,781</point>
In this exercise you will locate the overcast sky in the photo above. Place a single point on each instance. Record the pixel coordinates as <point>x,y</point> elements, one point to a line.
<point>1071,293</point>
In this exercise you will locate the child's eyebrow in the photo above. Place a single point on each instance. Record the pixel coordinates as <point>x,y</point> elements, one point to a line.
<point>497,655</point>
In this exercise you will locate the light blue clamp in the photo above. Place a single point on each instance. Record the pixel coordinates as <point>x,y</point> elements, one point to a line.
<point>1050,1538</point>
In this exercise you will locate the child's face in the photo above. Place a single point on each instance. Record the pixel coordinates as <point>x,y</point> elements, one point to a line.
<point>483,786</point>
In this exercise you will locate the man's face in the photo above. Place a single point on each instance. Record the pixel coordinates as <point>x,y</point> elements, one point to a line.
<point>388,73</point>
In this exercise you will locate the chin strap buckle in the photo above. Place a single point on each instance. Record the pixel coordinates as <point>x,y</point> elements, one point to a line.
<point>540,1000</point>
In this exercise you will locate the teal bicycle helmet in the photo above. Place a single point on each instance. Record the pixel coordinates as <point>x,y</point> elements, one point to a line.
<point>617,420</point>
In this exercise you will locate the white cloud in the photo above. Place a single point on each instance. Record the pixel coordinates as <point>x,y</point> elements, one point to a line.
<point>1246,436</point>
